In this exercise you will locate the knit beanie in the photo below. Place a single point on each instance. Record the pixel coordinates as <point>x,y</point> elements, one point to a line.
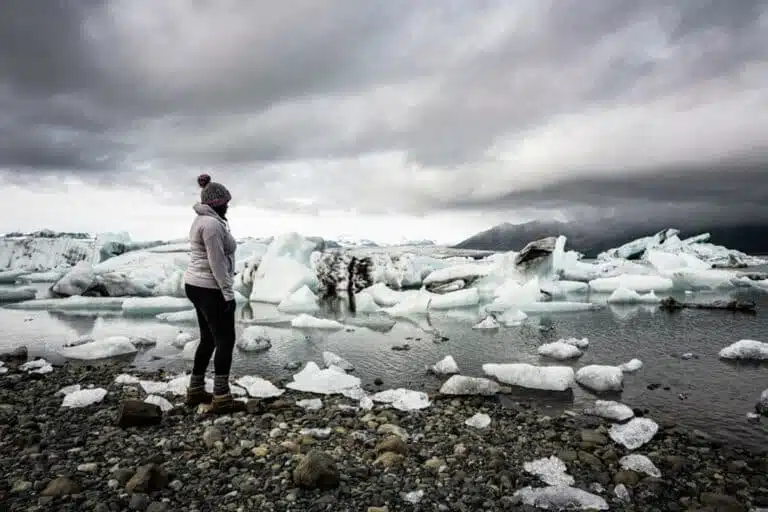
<point>212,193</point>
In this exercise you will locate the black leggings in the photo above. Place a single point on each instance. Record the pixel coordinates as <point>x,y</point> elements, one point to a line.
<point>216,319</point>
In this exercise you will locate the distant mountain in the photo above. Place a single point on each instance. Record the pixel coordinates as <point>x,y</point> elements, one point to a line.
<point>591,239</point>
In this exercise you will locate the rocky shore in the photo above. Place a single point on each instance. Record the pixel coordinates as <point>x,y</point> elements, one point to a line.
<point>281,456</point>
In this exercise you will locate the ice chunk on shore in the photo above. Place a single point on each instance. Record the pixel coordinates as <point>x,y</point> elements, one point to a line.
<point>639,464</point>
<point>629,296</point>
<point>258,387</point>
<point>631,366</point>
<point>461,385</point>
<point>159,401</point>
<point>188,316</point>
<point>560,498</point>
<point>151,306</point>
<point>310,404</point>
<point>551,378</point>
<point>453,300</point>
<point>331,359</point>
<point>84,398</point>
<point>39,366</point>
<point>746,349</point>
<point>305,321</point>
<point>487,323</point>
<point>445,366</point>
<point>635,433</point>
<point>479,420</point>
<point>638,283</point>
<point>610,410</point>
<point>329,381</point>
<point>403,399</point>
<point>600,377</point>
<point>302,300</point>
<point>550,470</point>
<point>559,350</point>
<point>126,380</point>
<point>112,346</point>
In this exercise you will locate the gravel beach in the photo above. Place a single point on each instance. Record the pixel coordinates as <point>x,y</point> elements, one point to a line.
<point>281,456</point>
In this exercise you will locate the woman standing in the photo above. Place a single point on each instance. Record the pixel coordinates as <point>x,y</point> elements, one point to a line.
<point>208,284</point>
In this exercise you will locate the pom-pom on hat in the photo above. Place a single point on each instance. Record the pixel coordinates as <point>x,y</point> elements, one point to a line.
<point>212,193</point>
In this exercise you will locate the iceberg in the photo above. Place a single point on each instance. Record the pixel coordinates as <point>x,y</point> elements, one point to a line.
<point>636,248</point>
<point>601,378</point>
<point>445,366</point>
<point>364,302</point>
<point>113,346</point>
<point>302,300</point>
<point>746,349</point>
<point>384,296</point>
<point>284,268</point>
<point>17,294</point>
<point>79,279</point>
<point>638,283</point>
<point>304,321</point>
<point>11,276</point>
<point>412,304</point>
<point>550,378</point>
<point>454,300</point>
<point>559,350</point>
<point>628,296</point>
<point>465,272</point>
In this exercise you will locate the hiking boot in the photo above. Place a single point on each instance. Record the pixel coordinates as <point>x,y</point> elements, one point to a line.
<point>226,404</point>
<point>197,396</point>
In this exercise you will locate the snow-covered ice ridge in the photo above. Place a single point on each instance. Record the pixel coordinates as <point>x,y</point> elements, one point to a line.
<point>296,273</point>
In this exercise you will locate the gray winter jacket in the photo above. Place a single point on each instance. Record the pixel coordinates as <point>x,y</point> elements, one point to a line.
<point>212,255</point>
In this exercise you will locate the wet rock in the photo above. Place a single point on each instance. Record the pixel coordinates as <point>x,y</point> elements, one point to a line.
<point>316,470</point>
<point>148,478</point>
<point>137,413</point>
<point>722,502</point>
<point>61,486</point>
<point>393,444</point>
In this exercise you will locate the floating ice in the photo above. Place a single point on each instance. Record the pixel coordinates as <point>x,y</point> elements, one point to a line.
<point>455,272</point>
<point>364,302</point>
<point>479,420</point>
<point>283,269</point>
<point>453,300</point>
<point>329,381</point>
<point>576,342</point>
<point>188,316</point>
<point>304,321</point>
<point>151,306</point>
<point>560,498</point>
<point>257,338</point>
<point>159,401</point>
<point>113,346</point>
<point>611,410</point>
<point>600,377</point>
<point>462,385</point>
<point>635,433</point>
<point>550,470</point>
<point>512,317</point>
<point>39,366</point>
<point>487,323</point>
<point>17,294</point>
<point>258,387</point>
<point>639,464</point>
<point>412,304</point>
<point>403,399</point>
<point>384,296</point>
<point>638,283</point>
<point>84,398</point>
<point>629,296</point>
<point>551,378</point>
<point>331,359</point>
<point>302,300</point>
<point>559,350</point>
<point>76,303</point>
<point>746,349</point>
<point>711,279</point>
<point>10,276</point>
<point>557,307</point>
<point>311,404</point>
<point>445,366</point>
<point>631,366</point>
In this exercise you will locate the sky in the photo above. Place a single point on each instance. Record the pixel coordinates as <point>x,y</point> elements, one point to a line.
<point>383,119</point>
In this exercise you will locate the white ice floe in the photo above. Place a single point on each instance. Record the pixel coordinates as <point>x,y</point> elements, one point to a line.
<point>550,470</point>
<point>611,410</point>
<point>487,323</point>
<point>414,303</point>
<point>445,366</point>
<point>639,464</point>
<point>112,346</point>
<point>151,306</point>
<point>560,498</point>
<point>188,316</point>
<point>159,401</point>
<point>258,387</point>
<point>331,359</point>
<point>559,350</point>
<point>581,343</point>
<point>452,300</point>
<point>84,398</point>
<point>552,378</point>
<point>17,294</point>
<point>479,420</point>
<point>635,433</point>
<point>39,366</point>
<point>463,385</point>
<point>305,321</point>
<point>637,283</point>
<point>629,296</point>
<point>746,349</point>
<point>600,377</point>
<point>455,272</point>
<point>310,404</point>
<point>631,366</point>
<point>328,381</point>
<point>257,338</point>
<point>302,300</point>
<point>557,307</point>
<point>403,399</point>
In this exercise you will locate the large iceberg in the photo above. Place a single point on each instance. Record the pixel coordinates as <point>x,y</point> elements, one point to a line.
<point>285,267</point>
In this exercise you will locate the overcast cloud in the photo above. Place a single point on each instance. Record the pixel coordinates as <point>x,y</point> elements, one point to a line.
<point>480,110</point>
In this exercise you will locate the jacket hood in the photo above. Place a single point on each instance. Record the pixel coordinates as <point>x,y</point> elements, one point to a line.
<point>206,211</point>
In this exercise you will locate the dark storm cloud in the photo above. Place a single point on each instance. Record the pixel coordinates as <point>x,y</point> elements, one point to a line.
<point>393,104</point>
